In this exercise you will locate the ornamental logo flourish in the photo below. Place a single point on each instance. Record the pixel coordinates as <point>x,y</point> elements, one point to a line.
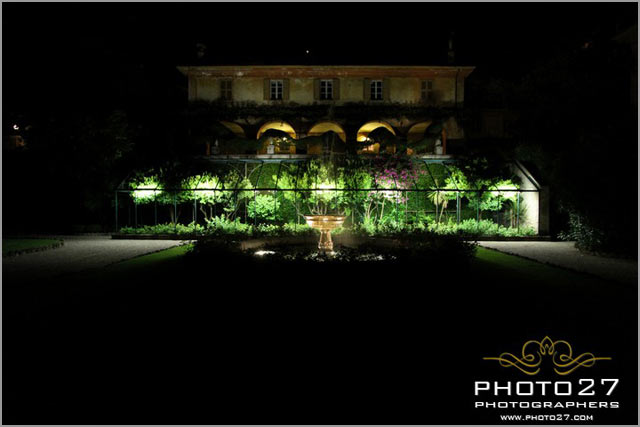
<point>560,352</point>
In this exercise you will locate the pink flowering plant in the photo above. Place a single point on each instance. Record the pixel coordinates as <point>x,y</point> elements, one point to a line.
<point>390,180</point>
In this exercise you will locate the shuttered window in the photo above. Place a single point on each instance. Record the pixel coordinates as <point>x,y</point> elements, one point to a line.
<point>225,90</point>
<point>326,89</point>
<point>276,89</point>
<point>376,90</point>
<point>427,90</point>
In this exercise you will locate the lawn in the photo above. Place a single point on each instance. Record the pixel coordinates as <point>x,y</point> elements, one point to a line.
<point>154,261</point>
<point>13,246</point>
<point>488,262</point>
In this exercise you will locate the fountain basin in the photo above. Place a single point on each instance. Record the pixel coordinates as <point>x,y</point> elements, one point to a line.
<point>325,224</point>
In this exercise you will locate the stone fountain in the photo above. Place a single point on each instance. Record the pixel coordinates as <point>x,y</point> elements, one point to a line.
<point>325,224</point>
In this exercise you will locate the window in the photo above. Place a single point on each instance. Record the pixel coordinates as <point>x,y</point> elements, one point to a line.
<point>225,90</point>
<point>376,90</point>
<point>326,89</point>
<point>427,90</point>
<point>276,89</point>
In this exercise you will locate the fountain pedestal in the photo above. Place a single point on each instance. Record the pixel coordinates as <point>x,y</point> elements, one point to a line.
<point>325,224</point>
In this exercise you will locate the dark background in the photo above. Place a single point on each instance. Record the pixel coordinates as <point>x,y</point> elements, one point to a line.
<point>79,56</point>
<point>97,88</point>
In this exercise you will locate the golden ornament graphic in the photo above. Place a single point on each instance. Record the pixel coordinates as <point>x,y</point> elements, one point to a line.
<point>560,352</point>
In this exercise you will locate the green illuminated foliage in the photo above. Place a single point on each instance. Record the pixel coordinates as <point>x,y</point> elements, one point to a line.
<point>264,207</point>
<point>209,190</point>
<point>323,183</point>
<point>372,193</point>
<point>146,190</point>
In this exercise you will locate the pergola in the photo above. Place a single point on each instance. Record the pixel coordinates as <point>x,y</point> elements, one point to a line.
<point>263,172</point>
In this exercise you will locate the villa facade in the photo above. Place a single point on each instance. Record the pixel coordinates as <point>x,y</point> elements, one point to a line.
<point>351,101</point>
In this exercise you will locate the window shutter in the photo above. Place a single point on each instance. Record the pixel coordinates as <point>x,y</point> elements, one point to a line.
<point>221,87</point>
<point>386,89</point>
<point>316,89</point>
<point>192,88</point>
<point>285,89</point>
<point>336,89</point>
<point>367,89</point>
<point>267,89</point>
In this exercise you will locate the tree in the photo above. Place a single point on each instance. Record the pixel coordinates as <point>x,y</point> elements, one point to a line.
<point>578,127</point>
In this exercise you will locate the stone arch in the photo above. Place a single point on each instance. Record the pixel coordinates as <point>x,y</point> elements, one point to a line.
<point>416,131</point>
<point>280,126</point>
<point>366,129</point>
<point>235,128</point>
<point>322,127</point>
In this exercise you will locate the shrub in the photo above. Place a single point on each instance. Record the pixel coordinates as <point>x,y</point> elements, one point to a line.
<point>607,239</point>
<point>291,229</point>
<point>484,227</point>
<point>265,207</point>
<point>178,229</point>
<point>222,226</point>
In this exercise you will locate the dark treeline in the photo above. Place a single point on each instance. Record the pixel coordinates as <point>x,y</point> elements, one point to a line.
<point>573,120</point>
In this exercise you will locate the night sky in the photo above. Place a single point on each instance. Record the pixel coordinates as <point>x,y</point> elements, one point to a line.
<point>79,56</point>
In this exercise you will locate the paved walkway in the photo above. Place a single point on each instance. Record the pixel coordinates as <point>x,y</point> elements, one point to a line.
<point>79,253</point>
<point>564,254</point>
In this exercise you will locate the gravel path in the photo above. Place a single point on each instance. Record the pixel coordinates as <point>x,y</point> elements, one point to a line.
<point>79,253</point>
<point>564,254</point>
